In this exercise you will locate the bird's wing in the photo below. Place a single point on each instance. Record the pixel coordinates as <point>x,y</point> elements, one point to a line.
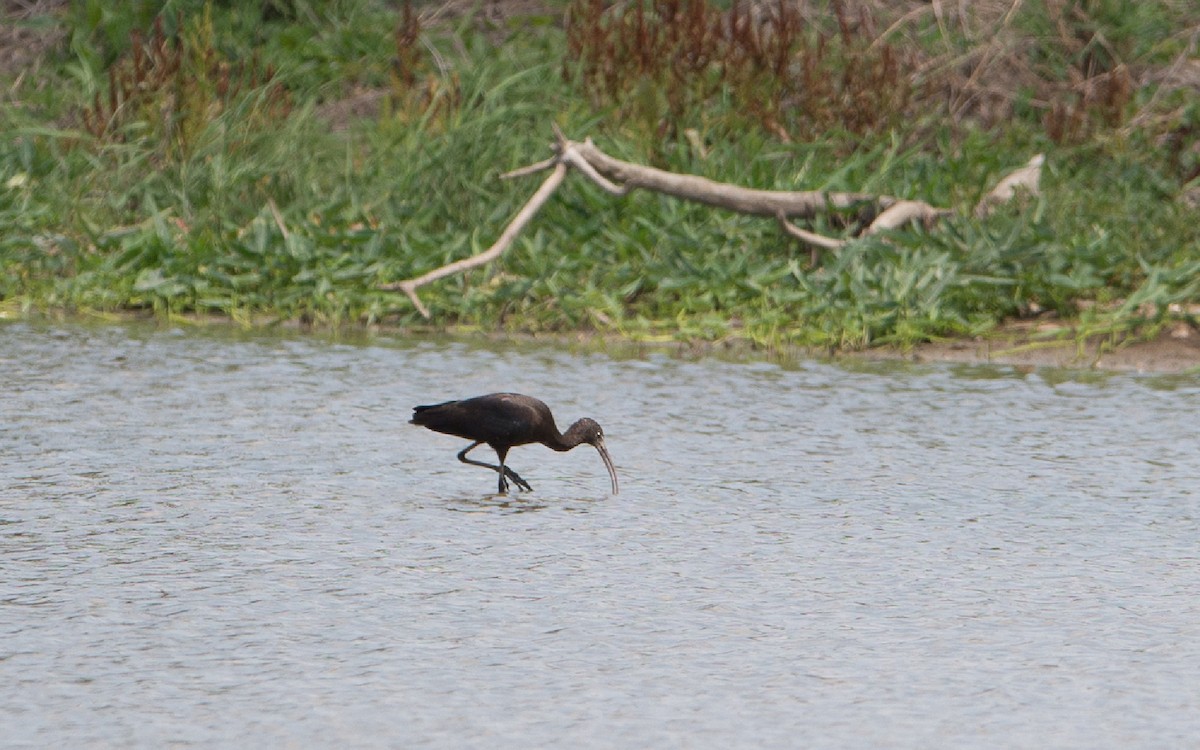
<point>512,418</point>
<point>504,418</point>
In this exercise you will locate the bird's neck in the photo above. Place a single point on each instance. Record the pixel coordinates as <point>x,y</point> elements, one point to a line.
<point>567,440</point>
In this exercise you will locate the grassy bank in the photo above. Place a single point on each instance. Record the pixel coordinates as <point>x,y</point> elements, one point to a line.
<point>280,160</point>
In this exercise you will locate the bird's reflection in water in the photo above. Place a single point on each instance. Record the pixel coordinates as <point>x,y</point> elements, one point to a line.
<point>494,503</point>
<point>511,504</point>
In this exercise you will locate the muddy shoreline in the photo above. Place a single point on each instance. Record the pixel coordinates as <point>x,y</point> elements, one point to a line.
<point>1173,349</point>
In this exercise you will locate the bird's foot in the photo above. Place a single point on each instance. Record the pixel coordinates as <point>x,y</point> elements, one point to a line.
<point>507,474</point>
<point>517,478</point>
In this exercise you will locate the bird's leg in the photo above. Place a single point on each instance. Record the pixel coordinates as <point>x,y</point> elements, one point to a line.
<point>502,470</point>
<point>462,456</point>
<point>502,489</point>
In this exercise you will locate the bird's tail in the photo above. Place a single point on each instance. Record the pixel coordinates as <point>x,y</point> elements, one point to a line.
<point>421,417</point>
<point>416,417</point>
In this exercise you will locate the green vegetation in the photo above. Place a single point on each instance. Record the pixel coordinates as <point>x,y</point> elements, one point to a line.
<point>280,160</point>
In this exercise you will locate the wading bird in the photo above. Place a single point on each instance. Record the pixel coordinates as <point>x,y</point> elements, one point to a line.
<point>505,420</point>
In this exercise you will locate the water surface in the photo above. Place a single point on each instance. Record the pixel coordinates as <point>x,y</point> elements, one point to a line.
<point>213,539</point>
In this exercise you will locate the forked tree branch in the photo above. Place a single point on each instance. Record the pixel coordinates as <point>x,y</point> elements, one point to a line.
<point>619,177</point>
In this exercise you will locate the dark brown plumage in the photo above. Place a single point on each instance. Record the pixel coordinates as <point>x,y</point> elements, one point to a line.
<point>506,420</point>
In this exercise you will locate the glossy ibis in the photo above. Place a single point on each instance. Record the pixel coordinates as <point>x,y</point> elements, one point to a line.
<point>505,420</point>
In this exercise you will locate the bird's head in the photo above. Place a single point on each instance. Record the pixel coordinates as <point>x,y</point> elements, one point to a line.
<point>589,431</point>
<point>586,431</point>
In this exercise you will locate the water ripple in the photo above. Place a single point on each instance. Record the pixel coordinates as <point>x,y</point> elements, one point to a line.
<point>213,539</point>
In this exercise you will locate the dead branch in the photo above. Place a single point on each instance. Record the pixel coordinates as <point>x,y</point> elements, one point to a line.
<point>410,286</point>
<point>1025,179</point>
<point>901,213</point>
<point>816,242</point>
<point>619,177</point>
<point>805,204</point>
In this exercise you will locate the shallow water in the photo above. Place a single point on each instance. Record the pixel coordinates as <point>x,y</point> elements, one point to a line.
<point>216,539</point>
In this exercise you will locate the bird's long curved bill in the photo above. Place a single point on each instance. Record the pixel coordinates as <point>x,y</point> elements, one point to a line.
<point>608,464</point>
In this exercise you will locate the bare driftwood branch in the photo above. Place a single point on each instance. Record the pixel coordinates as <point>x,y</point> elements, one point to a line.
<point>531,169</point>
<point>903,212</point>
<point>572,156</point>
<point>1027,178</point>
<point>816,242</point>
<point>805,204</point>
<point>410,286</point>
<point>619,177</point>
